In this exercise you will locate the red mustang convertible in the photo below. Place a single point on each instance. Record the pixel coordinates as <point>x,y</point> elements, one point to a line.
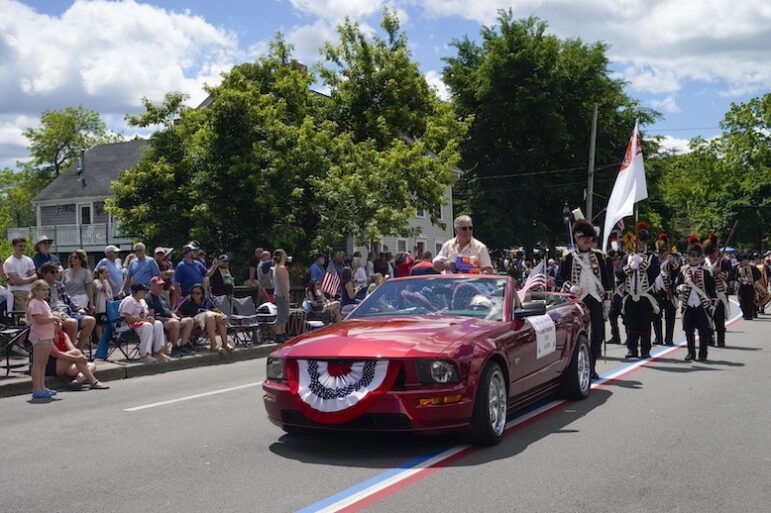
<point>432,353</point>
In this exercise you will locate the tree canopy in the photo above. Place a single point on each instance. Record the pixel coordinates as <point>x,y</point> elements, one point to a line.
<point>531,97</point>
<point>269,161</point>
<point>63,134</point>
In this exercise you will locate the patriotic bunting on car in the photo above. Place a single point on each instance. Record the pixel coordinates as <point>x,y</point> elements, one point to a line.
<point>331,392</point>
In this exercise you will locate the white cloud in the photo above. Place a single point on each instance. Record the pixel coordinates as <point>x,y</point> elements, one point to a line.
<point>660,44</point>
<point>106,55</point>
<point>674,144</point>
<point>668,105</point>
<point>308,39</point>
<point>337,10</point>
<point>434,80</point>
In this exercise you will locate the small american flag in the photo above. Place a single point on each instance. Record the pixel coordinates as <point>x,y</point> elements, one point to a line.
<point>536,279</point>
<point>330,284</point>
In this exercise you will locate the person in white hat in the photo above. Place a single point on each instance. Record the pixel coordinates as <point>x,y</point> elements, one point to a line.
<point>42,253</point>
<point>114,269</point>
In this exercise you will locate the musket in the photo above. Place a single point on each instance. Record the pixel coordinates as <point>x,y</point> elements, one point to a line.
<point>728,239</point>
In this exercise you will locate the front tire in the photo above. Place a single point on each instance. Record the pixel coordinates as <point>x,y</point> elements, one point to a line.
<point>488,421</point>
<point>577,379</point>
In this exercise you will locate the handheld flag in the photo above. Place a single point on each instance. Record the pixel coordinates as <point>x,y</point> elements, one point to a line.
<point>630,186</point>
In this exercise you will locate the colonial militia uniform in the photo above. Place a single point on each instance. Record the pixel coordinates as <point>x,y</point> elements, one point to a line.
<point>664,287</point>
<point>639,272</point>
<point>746,275</point>
<point>612,262</point>
<point>697,293</point>
<point>720,268</point>
<point>762,286</point>
<point>585,274</point>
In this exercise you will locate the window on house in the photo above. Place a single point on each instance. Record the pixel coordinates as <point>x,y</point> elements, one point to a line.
<point>85,214</point>
<point>401,246</point>
<point>420,213</point>
<point>438,248</point>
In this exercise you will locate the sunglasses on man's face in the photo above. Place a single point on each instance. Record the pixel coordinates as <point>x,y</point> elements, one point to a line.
<point>466,228</point>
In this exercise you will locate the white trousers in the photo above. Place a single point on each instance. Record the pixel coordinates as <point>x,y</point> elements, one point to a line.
<point>151,337</point>
<point>8,298</point>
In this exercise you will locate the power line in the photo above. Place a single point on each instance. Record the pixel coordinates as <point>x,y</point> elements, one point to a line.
<point>545,172</point>
<point>682,129</point>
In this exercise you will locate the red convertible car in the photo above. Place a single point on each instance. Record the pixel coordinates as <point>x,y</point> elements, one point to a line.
<point>432,353</point>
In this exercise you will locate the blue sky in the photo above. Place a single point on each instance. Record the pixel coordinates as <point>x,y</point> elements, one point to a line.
<point>687,58</point>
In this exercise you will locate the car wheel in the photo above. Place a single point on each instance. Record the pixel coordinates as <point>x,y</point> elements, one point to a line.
<point>577,379</point>
<point>488,421</point>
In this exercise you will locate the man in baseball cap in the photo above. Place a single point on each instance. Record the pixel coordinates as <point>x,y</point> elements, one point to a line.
<point>114,269</point>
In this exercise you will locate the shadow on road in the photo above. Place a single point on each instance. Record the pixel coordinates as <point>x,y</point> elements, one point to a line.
<point>624,383</point>
<point>683,369</point>
<point>394,450</point>
<point>740,348</point>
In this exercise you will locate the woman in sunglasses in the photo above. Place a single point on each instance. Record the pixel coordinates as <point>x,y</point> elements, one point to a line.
<point>463,253</point>
<point>207,317</point>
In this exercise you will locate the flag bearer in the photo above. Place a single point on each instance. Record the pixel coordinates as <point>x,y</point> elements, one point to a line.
<point>697,295</point>
<point>639,271</point>
<point>584,273</point>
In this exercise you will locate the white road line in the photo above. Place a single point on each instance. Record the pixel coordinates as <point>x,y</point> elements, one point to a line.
<point>196,396</point>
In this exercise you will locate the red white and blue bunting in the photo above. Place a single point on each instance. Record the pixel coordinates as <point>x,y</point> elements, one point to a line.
<point>331,392</point>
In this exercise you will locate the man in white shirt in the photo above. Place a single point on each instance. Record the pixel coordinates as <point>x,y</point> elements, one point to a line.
<point>20,270</point>
<point>463,245</point>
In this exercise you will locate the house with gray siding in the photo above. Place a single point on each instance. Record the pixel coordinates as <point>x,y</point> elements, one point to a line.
<point>70,210</point>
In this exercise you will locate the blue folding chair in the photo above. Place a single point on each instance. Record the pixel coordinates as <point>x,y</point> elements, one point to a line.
<point>119,339</point>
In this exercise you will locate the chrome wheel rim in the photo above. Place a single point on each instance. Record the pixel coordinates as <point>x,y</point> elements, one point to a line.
<point>584,368</point>
<point>497,402</point>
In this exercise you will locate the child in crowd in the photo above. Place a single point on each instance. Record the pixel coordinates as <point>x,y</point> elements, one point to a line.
<point>103,293</point>
<point>41,335</point>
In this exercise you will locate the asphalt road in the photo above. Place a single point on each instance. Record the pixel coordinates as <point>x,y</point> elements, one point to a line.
<point>670,436</point>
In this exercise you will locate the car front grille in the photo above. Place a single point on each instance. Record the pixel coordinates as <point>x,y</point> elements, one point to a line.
<point>381,421</point>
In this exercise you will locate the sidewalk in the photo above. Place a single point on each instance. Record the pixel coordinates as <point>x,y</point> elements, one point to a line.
<point>18,383</point>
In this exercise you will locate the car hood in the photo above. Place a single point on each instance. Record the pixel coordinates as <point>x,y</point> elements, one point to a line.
<point>392,337</point>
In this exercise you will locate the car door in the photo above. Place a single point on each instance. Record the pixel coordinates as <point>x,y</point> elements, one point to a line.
<point>546,341</point>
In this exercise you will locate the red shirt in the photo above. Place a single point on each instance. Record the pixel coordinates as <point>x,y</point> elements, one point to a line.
<point>60,341</point>
<point>405,267</point>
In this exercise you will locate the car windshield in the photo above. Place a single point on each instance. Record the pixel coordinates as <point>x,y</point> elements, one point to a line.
<point>482,298</point>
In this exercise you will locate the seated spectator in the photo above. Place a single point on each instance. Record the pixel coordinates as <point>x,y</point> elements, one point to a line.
<point>377,280</point>
<point>42,254</point>
<point>221,281</point>
<point>136,313</point>
<point>161,256</point>
<point>207,317</point>
<point>320,303</point>
<point>78,280</point>
<point>190,271</point>
<point>67,360</point>
<point>142,268</point>
<point>425,266</point>
<point>317,271</point>
<point>20,271</point>
<point>74,318</point>
<point>172,323</point>
<point>349,295</point>
<point>102,294</point>
<point>6,297</point>
<point>115,268</point>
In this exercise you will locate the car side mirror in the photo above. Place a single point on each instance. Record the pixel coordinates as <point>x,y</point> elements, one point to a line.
<point>530,309</point>
<point>344,311</point>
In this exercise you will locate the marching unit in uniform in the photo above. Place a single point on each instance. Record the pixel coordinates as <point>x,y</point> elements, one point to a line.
<point>612,261</point>
<point>746,275</point>
<point>761,287</point>
<point>639,271</point>
<point>584,273</point>
<point>664,287</point>
<point>697,292</point>
<point>720,268</point>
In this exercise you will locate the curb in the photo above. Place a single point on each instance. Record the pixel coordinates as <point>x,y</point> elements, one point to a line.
<point>125,370</point>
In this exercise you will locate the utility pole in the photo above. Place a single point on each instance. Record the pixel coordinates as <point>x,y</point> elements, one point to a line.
<point>590,173</point>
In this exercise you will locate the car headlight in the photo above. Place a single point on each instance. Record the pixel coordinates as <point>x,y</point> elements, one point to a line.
<point>276,368</point>
<point>436,371</point>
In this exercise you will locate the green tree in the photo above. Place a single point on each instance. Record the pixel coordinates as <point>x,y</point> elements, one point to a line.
<point>531,95</point>
<point>63,134</point>
<point>727,178</point>
<point>397,142</point>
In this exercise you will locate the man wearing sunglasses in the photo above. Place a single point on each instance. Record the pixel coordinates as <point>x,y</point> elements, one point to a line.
<point>463,245</point>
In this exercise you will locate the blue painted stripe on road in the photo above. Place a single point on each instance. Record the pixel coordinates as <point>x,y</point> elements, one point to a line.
<point>345,494</point>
